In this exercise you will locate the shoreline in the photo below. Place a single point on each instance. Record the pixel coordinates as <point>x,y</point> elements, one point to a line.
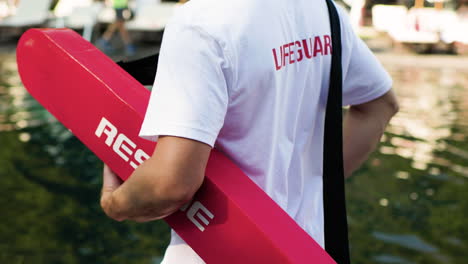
<point>382,50</point>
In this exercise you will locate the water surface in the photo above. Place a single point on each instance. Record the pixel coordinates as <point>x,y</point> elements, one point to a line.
<point>407,204</point>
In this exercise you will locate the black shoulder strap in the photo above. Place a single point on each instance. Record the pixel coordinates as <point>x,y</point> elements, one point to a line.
<point>336,226</point>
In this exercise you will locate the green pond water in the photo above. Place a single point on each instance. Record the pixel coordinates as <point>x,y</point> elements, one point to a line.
<point>407,204</point>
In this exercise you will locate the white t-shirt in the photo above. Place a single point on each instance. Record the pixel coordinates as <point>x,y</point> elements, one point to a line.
<point>251,77</point>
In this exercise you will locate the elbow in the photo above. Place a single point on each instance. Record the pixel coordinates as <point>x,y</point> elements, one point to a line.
<point>177,194</point>
<point>394,107</point>
<point>392,104</point>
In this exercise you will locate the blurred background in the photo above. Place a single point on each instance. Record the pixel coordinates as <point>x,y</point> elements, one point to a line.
<point>407,204</point>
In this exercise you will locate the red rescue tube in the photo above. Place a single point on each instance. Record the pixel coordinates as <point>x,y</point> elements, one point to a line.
<point>231,220</point>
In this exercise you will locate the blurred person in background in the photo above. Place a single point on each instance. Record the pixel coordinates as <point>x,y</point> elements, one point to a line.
<point>122,13</point>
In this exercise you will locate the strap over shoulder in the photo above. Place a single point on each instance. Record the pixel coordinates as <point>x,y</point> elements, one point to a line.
<point>336,226</point>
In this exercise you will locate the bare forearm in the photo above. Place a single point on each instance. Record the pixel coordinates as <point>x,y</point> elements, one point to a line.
<point>360,137</point>
<point>363,127</point>
<point>140,197</point>
<point>161,185</point>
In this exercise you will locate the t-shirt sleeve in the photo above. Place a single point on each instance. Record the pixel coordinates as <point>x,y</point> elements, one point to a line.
<point>189,97</point>
<point>364,78</point>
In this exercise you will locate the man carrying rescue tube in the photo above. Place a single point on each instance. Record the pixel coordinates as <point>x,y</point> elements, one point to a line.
<point>251,78</point>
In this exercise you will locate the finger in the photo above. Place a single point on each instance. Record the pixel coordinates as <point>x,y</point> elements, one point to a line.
<point>110,180</point>
<point>110,183</point>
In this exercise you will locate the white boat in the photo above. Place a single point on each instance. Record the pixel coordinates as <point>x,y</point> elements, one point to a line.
<point>421,27</point>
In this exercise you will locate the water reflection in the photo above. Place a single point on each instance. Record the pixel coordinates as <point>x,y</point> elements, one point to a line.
<point>428,99</point>
<point>50,192</point>
<point>408,204</point>
<point>408,241</point>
